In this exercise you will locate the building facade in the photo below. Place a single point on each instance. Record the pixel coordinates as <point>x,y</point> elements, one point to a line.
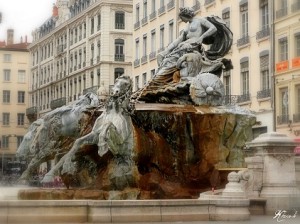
<point>287,66</point>
<point>156,24</point>
<point>84,45</point>
<point>14,70</point>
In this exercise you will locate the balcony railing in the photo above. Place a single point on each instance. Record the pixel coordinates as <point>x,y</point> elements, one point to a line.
<point>281,12</point>
<point>152,55</point>
<point>136,62</point>
<point>171,4</point>
<point>196,6</point>
<point>92,89</point>
<point>296,6</point>
<point>243,41</point>
<point>119,57</point>
<point>296,117</point>
<point>31,111</point>
<point>263,33</point>
<point>152,15</point>
<point>207,2</point>
<point>58,103</point>
<point>283,119</point>
<point>144,59</point>
<point>144,20</point>
<point>137,25</point>
<point>263,94</point>
<point>120,26</point>
<point>161,10</point>
<point>243,98</point>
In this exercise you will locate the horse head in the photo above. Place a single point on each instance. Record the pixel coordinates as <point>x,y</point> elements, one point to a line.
<point>122,87</point>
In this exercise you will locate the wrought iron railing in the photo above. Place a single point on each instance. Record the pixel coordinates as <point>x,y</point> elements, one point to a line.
<point>144,20</point>
<point>243,41</point>
<point>137,25</point>
<point>207,2</point>
<point>152,15</point>
<point>161,10</point>
<point>58,103</point>
<point>144,59</point>
<point>119,57</point>
<point>136,62</point>
<point>171,4</point>
<point>263,94</point>
<point>263,33</point>
<point>152,55</point>
<point>243,98</point>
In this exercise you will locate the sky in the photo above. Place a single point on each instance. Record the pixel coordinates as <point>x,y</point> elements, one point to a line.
<point>23,16</point>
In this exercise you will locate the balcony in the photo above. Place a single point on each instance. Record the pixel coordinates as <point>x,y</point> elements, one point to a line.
<point>136,62</point>
<point>281,13</point>
<point>296,117</point>
<point>144,20</point>
<point>263,94</point>
<point>60,49</point>
<point>263,33</point>
<point>208,2</point>
<point>296,6</point>
<point>152,55</point>
<point>283,119</point>
<point>120,26</point>
<point>171,5</point>
<point>152,15</point>
<point>161,10</point>
<point>92,89</point>
<point>196,6</point>
<point>243,41</point>
<point>119,57</point>
<point>243,98</point>
<point>137,25</point>
<point>58,103</point>
<point>230,99</point>
<point>144,59</point>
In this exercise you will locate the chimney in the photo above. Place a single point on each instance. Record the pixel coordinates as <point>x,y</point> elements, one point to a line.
<point>10,36</point>
<point>54,11</point>
<point>21,39</point>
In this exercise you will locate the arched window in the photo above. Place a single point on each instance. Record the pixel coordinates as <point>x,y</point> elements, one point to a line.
<point>120,20</point>
<point>118,72</point>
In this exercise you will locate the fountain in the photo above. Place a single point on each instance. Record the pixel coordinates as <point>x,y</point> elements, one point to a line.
<point>169,140</point>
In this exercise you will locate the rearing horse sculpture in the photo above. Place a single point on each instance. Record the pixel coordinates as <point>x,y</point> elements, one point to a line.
<point>112,131</point>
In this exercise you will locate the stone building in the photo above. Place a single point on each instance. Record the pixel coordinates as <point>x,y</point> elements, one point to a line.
<point>156,24</point>
<point>14,71</point>
<point>287,66</point>
<point>85,44</point>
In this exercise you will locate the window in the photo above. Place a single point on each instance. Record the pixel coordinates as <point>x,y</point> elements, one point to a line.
<point>298,102</point>
<point>99,22</point>
<point>283,49</point>
<point>21,118</point>
<point>297,44</point>
<point>120,20</point>
<point>145,9</point>
<point>6,75</point>
<point>245,77</point>
<point>144,79</point>
<point>244,19</point>
<point>118,72</point>
<point>284,105</point>
<point>6,96</point>
<point>264,72</point>
<point>5,141</point>
<point>162,35</point>
<point>21,76</point>
<point>137,80</point>
<point>264,14</point>
<point>137,14</point>
<point>227,82</point>
<point>137,49</point>
<point>19,140</point>
<point>226,16</point>
<point>7,58</point>
<point>5,118</point>
<point>21,97</point>
<point>153,41</point>
<point>153,8</point>
<point>119,50</point>
<point>145,45</point>
<point>171,31</point>
<point>92,25</point>
<point>152,73</point>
